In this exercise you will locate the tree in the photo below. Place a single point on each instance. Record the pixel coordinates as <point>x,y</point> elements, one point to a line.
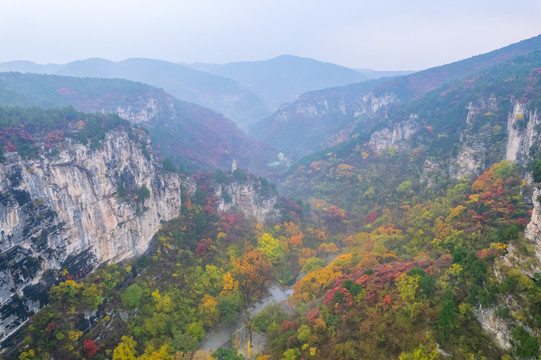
<point>132,296</point>
<point>168,165</point>
<point>478,269</point>
<point>90,348</point>
<point>224,354</point>
<point>184,342</point>
<point>536,173</point>
<point>447,316</point>
<point>196,330</point>
<point>271,248</point>
<point>143,193</point>
<point>229,307</point>
<point>421,353</point>
<point>125,350</point>
<point>251,271</point>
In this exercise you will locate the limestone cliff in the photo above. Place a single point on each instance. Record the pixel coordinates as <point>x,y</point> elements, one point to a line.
<point>533,230</point>
<point>65,211</point>
<point>249,197</point>
<point>397,135</point>
<point>479,139</point>
<point>522,133</point>
<point>316,121</point>
<point>238,192</point>
<point>521,145</point>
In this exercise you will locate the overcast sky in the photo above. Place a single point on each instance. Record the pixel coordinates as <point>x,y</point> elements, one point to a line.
<point>375,34</point>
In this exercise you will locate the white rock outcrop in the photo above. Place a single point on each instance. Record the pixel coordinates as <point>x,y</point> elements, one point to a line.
<point>63,212</point>
<point>521,133</point>
<point>247,197</point>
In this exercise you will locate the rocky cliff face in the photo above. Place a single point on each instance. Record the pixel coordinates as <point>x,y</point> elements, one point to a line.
<point>65,212</point>
<point>248,194</point>
<point>317,120</point>
<point>522,138</point>
<point>533,230</point>
<point>150,110</point>
<point>496,327</point>
<point>522,133</point>
<point>396,135</point>
<point>248,197</point>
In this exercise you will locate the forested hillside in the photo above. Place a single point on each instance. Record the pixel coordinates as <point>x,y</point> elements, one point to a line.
<point>411,230</point>
<point>332,116</point>
<point>188,134</point>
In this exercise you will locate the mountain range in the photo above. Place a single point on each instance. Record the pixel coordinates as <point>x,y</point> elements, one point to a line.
<point>186,133</point>
<point>323,118</point>
<point>283,78</point>
<point>244,92</point>
<point>415,233</point>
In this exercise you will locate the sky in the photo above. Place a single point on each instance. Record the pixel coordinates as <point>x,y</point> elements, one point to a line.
<point>375,34</point>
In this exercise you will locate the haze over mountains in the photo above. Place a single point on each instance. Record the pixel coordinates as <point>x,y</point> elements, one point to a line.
<point>283,78</point>
<point>188,133</point>
<point>327,117</point>
<point>417,226</point>
<point>244,92</point>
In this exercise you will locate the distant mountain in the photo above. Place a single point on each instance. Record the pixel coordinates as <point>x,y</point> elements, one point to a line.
<point>185,132</point>
<point>328,117</point>
<point>283,78</point>
<point>218,93</point>
<point>29,67</point>
<point>375,74</point>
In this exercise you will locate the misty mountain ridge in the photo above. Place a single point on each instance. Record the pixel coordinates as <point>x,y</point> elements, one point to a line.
<point>283,78</point>
<point>222,95</point>
<point>377,74</point>
<point>417,225</point>
<point>319,119</point>
<point>185,132</point>
<point>243,91</point>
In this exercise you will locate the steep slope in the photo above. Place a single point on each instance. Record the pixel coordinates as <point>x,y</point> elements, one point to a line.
<point>376,74</point>
<point>457,130</point>
<point>313,117</point>
<point>191,264</point>
<point>443,218</point>
<point>218,93</point>
<point>185,132</point>
<point>70,205</point>
<point>283,78</point>
<point>320,119</point>
<point>221,94</point>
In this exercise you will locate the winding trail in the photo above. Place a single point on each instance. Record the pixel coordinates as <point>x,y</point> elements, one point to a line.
<point>221,336</point>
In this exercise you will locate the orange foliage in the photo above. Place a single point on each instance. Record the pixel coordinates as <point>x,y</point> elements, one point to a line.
<point>387,229</point>
<point>368,261</point>
<point>329,248</point>
<point>188,202</point>
<point>294,232</point>
<point>484,181</point>
<point>250,272</point>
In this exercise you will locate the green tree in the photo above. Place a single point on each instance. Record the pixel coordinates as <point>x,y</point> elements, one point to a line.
<point>447,316</point>
<point>184,342</point>
<point>168,165</point>
<point>143,193</point>
<point>227,354</point>
<point>196,330</point>
<point>536,173</point>
<point>132,296</point>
